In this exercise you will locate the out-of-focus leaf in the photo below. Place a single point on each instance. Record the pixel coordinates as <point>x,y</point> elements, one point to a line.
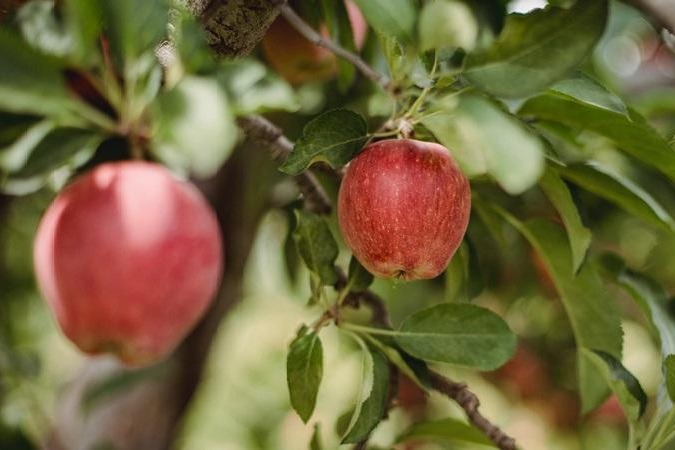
<point>316,245</point>
<point>487,139</point>
<point>358,277</point>
<point>669,373</point>
<point>630,134</point>
<point>537,49</point>
<point>14,156</point>
<point>337,18</point>
<point>579,236</point>
<point>196,129</point>
<point>395,18</point>
<point>619,190</point>
<point>463,276</point>
<point>42,30</point>
<point>587,90</point>
<point>445,430</point>
<point>447,23</point>
<point>334,137</point>
<point>457,333</point>
<point>304,371</point>
<point>623,383</point>
<point>373,401</point>
<point>315,443</point>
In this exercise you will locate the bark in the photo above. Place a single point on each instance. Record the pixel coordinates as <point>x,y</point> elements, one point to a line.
<point>146,414</point>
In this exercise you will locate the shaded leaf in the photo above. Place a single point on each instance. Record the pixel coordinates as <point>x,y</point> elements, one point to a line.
<point>487,139</point>
<point>196,129</point>
<point>374,406</point>
<point>316,245</point>
<point>358,277</point>
<point>630,134</point>
<point>315,443</point>
<point>445,430</point>
<point>447,23</point>
<point>304,371</point>
<point>617,189</point>
<point>334,137</point>
<point>463,277</point>
<point>578,235</point>
<point>339,25</point>
<point>537,49</point>
<point>395,18</point>
<point>623,383</point>
<point>457,333</point>
<point>669,372</point>
<point>587,90</point>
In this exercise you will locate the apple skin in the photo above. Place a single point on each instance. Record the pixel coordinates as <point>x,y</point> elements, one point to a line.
<point>128,258</point>
<point>298,60</point>
<point>403,208</point>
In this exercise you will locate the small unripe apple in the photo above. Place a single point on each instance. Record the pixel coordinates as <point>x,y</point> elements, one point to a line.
<point>403,208</point>
<point>128,258</point>
<point>298,60</point>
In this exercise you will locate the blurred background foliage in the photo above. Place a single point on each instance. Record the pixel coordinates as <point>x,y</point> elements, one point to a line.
<point>243,401</point>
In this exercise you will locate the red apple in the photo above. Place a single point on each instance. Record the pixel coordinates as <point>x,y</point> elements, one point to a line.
<point>128,258</point>
<point>298,60</point>
<point>403,208</point>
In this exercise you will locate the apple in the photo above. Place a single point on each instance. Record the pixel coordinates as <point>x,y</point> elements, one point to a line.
<point>403,208</point>
<point>128,258</point>
<point>298,60</point>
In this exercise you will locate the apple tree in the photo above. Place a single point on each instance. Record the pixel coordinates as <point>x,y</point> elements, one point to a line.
<point>468,199</point>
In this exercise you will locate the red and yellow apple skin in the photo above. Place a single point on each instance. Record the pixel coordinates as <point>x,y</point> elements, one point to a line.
<point>298,60</point>
<point>403,208</point>
<point>129,259</point>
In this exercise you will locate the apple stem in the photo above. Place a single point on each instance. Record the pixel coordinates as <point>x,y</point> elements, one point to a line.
<point>311,35</point>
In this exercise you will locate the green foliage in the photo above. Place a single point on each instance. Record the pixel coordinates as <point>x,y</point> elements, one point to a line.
<point>669,372</point>
<point>304,371</point>
<point>537,49</point>
<point>316,245</point>
<point>449,430</point>
<point>392,18</point>
<point>358,278</point>
<point>447,23</point>
<point>334,137</point>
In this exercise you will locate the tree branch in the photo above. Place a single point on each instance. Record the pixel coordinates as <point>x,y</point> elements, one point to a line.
<point>262,131</point>
<point>260,128</point>
<point>311,35</point>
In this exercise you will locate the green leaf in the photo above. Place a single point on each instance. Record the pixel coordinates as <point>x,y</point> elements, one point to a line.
<point>623,383</point>
<point>339,25</point>
<point>334,137</point>
<point>196,129</point>
<point>487,139</point>
<point>14,156</point>
<point>579,236</point>
<point>458,333</point>
<point>537,49</point>
<point>304,370</point>
<point>374,406</point>
<point>447,430</point>
<point>587,90</point>
<point>630,134</point>
<point>42,30</point>
<point>447,24</point>
<point>252,88</point>
<point>134,27</point>
<point>30,82</point>
<point>316,245</point>
<point>669,371</point>
<point>83,19</point>
<point>592,312</point>
<point>59,148</point>
<point>463,277</point>
<point>315,443</point>
<point>358,277</point>
<point>617,189</point>
<point>395,18</point>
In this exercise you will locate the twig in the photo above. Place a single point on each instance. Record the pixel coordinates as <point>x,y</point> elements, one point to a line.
<point>261,130</point>
<point>311,35</point>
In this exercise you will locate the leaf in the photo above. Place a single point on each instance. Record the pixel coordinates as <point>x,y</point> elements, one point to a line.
<point>134,27</point>
<point>669,371</point>
<point>339,25</point>
<point>374,407</point>
<point>252,88</point>
<point>537,49</point>
<point>358,277</point>
<point>196,129</point>
<point>304,370</point>
<point>463,277</point>
<point>630,134</point>
<point>617,189</point>
<point>394,18</point>
<point>623,383</point>
<point>334,137</point>
<point>316,245</point>
<point>487,139</point>
<point>315,443</point>
<point>447,24</point>
<point>587,90</point>
<point>457,333</point>
<point>14,156</point>
<point>42,30</point>
<point>592,312</point>
<point>30,82</point>
<point>578,235</point>
<point>447,430</point>
<point>84,19</point>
